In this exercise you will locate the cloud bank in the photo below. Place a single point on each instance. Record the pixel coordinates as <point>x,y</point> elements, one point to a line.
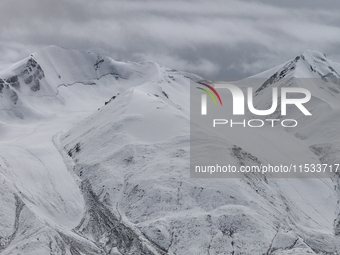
<point>219,39</point>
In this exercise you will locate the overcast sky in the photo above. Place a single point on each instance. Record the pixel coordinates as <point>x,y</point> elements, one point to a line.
<point>222,39</point>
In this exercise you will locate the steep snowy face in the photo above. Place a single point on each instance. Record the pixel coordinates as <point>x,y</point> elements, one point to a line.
<point>53,77</point>
<point>310,70</point>
<point>8,96</point>
<point>45,70</point>
<point>310,64</point>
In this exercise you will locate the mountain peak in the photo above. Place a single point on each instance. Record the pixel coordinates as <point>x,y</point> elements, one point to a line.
<point>316,61</point>
<point>50,48</point>
<point>310,64</point>
<point>314,54</point>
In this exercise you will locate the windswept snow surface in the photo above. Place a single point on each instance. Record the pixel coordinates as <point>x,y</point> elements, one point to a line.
<point>94,159</point>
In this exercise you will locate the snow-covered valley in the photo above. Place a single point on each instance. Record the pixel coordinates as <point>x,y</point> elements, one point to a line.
<point>95,154</point>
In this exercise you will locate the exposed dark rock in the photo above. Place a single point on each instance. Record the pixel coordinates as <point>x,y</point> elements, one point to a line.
<point>279,74</point>
<point>129,160</point>
<point>244,156</point>
<point>333,77</point>
<point>98,63</point>
<point>36,86</point>
<point>29,79</point>
<point>14,97</point>
<point>100,223</point>
<point>165,94</point>
<point>31,62</point>
<point>112,98</point>
<point>14,82</point>
<point>32,74</point>
<point>75,149</point>
<point>327,153</point>
<point>1,85</point>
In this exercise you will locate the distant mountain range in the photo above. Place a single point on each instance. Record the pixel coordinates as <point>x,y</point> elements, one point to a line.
<point>94,159</point>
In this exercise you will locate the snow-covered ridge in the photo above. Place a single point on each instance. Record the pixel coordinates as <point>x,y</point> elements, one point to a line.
<point>309,65</point>
<point>311,70</point>
<point>46,73</point>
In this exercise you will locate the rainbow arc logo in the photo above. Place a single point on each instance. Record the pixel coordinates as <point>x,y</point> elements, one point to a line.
<point>211,95</point>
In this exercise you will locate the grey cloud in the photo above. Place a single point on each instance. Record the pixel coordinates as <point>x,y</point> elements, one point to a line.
<point>222,39</point>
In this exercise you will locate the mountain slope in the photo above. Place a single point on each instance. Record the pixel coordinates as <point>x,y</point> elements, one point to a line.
<point>37,86</point>
<point>311,70</point>
<point>95,160</point>
<point>146,182</point>
<point>73,85</point>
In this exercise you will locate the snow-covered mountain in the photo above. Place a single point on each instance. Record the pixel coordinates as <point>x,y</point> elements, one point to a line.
<point>94,159</point>
<point>321,76</point>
